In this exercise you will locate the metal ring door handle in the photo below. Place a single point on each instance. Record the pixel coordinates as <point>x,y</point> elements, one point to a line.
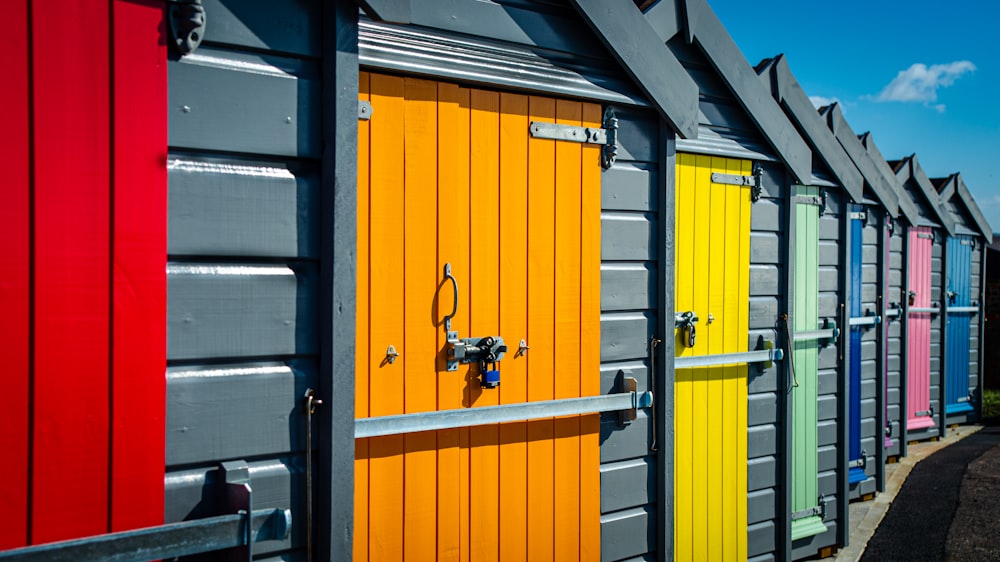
<point>454,306</point>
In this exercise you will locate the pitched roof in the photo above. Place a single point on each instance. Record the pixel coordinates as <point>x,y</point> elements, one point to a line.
<point>907,207</point>
<point>702,27</point>
<point>880,184</point>
<point>909,169</point>
<point>954,186</point>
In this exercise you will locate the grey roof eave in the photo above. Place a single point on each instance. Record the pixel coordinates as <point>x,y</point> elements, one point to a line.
<point>648,61</point>
<point>702,26</point>
<point>970,205</point>
<point>786,90</point>
<point>626,34</point>
<point>907,208</point>
<point>911,170</point>
<point>880,184</point>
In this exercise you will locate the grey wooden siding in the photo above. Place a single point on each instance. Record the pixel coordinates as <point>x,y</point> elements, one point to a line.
<point>629,308</point>
<point>243,275</point>
<point>829,370</point>
<point>895,351</point>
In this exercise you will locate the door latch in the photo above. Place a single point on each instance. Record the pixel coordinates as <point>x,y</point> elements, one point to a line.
<point>486,351</point>
<point>685,322</point>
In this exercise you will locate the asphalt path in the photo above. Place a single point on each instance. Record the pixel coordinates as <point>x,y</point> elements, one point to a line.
<point>918,522</point>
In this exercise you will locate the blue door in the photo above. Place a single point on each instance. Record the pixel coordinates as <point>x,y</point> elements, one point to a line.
<point>857,469</point>
<point>957,332</point>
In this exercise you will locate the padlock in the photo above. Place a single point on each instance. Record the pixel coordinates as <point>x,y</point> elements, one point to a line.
<point>911,297</point>
<point>489,377</point>
<point>689,334</point>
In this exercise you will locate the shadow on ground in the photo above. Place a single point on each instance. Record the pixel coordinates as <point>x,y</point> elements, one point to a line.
<point>917,524</point>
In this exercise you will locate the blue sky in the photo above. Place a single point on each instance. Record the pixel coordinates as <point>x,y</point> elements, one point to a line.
<point>923,77</point>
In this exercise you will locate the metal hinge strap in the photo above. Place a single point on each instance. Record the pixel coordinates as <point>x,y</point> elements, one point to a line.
<point>606,137</point>
<point>859,215</point>
<point>925,236</point>
<point>755,181</point>
<point>967,242</point>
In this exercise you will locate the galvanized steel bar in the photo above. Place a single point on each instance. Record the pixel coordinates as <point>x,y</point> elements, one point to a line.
<point>163,542</point>
<point>864,320</point>
<point>815,335</point>
<point>468,417</point>
<point>966,309</point>
<point>762,356</point>
<point>931,309</point>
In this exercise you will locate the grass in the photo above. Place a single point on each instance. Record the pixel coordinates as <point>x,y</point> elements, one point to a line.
<point>991,403</point>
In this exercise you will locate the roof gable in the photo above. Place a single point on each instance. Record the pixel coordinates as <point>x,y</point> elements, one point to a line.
<point>702,27</point>
<point>880,184</point>
<point>953,188</point>
<point>786,90</point>
<point>907,208</point>
<point>909,169</point>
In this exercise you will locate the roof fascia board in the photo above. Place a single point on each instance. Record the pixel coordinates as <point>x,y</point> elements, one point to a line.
<point>927,188</point>
<point>648,61</point>
<point>789,93</point>
<point>727,59</point>
<point>907,207</point>
<point>948,188</point>
<point>389,11</point>
<point>970,204</point>
<point>880,185</point>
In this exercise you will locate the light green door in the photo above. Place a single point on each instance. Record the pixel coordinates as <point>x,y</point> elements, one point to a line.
<point>805,497</point>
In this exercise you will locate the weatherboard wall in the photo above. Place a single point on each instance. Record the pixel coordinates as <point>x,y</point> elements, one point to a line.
<point>243,271</point>
<point>894,351</point>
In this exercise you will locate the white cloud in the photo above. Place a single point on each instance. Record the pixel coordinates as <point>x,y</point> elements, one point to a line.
<point>820,101</point>
<point>920,82</point>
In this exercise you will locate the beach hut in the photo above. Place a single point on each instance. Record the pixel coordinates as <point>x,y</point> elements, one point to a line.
<point>923,306</point>
<point>730,279</point>
<point>289,236</point>
<point>893,323</point>
<point>965,258</point>
<point>814,286</point>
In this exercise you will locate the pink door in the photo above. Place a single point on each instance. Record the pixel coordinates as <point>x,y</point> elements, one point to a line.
<point>918,341</point>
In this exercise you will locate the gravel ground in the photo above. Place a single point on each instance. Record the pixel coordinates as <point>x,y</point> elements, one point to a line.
<point>975,530</point>
<point>917,524</point>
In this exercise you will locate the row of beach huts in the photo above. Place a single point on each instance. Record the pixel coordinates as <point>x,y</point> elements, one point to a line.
<point>456,280</point>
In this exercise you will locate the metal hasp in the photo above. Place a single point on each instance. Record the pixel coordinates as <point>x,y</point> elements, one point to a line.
<point>187,24</point>
<point>685,322</point>
<point>488,415</point>
<point>235,532</point>
<point>625,383</point>
<point>487,351</point>
<point>755,181</point>
<point>815,200</point>
<point>606,137</point>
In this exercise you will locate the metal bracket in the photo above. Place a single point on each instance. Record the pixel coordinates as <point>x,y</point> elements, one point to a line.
<point>859,216</point>
<point>625,382</point>
<point>925,236</point>
<point>187,25</point>
<point>239,497</point>
<point>364,110</point>
<point>607,137</point>
<point>966,242</point>
<point>861,462</point>
<point>924,413</point>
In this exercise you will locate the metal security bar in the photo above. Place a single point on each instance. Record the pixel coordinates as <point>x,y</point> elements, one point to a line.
<point>894,312</point>
<point>864,320</point>
<point>761,356</point>
<point>163,542</point>
<point>931,309</point>
<point>468,417</point>
<point>816,335</point>
<point>965,309</point>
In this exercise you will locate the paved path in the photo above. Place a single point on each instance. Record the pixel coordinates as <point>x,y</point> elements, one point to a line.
<point>917,524</point>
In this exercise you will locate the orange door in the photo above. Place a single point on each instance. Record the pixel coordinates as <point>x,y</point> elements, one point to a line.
<point>450,175</point>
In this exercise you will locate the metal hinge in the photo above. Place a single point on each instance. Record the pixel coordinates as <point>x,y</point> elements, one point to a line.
<point>859,215</point>
<point>364,110</point>
<point>817,200</point>
<point>607,137</point>
<point>754,181</point>
<point>967,242</point>
<point>187,24</point>
<point>925,236</point>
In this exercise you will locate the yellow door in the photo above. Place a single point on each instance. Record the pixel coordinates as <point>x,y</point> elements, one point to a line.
<point>448,174</point>
<point>712,271</point>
